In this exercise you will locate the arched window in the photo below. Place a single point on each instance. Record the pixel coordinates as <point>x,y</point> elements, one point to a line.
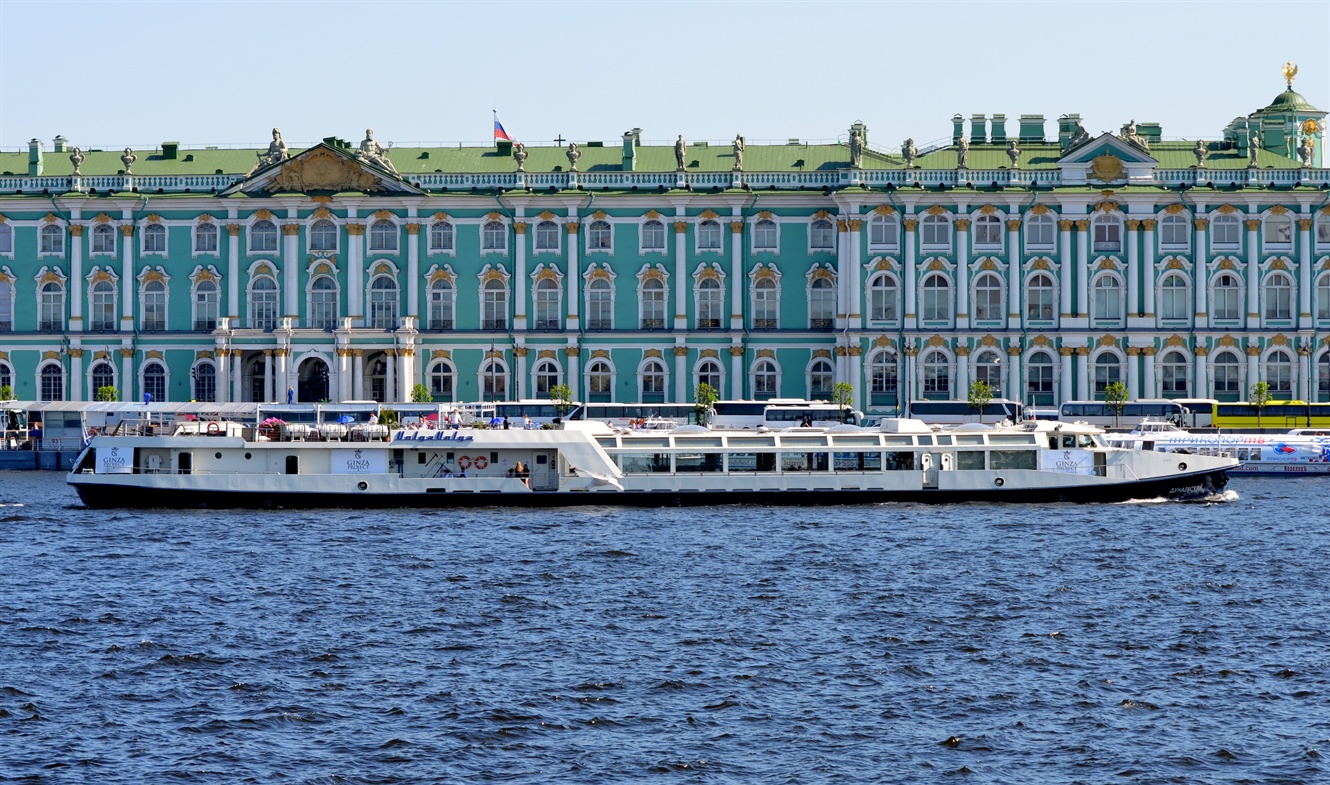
<point>1224,305</point>
<point>1174,233</point>
<point>205,238</point>
<point>52,316</point>
<point>323,235</point>
<point>822,303</point>
<point>154,238</point>
<point>936,232</point>
<point>547,236</point>
<point>102,317</point>
<point>883,379</point>
<point>599,382</point>
<point>883,299</point>
<point>1279,374</point>
<point>263,237</point>
<point>1322,294</point>
<point>1040,232</point>
<point>708,236</point>
<point>494,305</point>
<point>653,304</point>
<point>103,376</point>
<point>708,304</point>
<point>377,371</point>
<point>988,298</point>
<point>883,231</point>
<point>154,381</point>
<point>6,239</point>
<point>1107,304</point>
<point>52,382</point>
<point>766,380</point>
<point>936,303</point>
<point>442,381</point>
<point>441,236</point>
<point>653,382</point>
<point>1040,298</point>
<point>1107,370</point>
<point>1173,375</point>
<point>599,305</point>
<point>1225,232</point>
<point>546,296</point>
<point>1323,377</point>
<point>263,303</point>
<point>154,306</point>
<point>821,378</point>
<point>1225,371</point>
<point>765,235</point>
<point>6,375</point>
<point>207,306</point>
<point>103,239</point>
<point>205,382</point>
<point>6,304</point>
<point>547,375</point>
<point>1322,231</point>
<point>383,236</point>
<point>1039,379</point>
<point>988,232</point>
<point>1278,230</point>
<point>988,369</point>
<point>599,236</point>
<point>442,304</point>
<point>822,235</point>
<point>708,373</point>
<point>383,303</point>
<point>52,239</point>
<point>323,303</point>
<point>494,237</point>
<point>937,375</point>
<point>1278,297</point>
<point>766,304</point>
<point>1107,234</point>
<point>653,236</point>
<point>1174,302</point>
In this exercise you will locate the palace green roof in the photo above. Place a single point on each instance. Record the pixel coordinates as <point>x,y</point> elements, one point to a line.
<point>1289,101</point>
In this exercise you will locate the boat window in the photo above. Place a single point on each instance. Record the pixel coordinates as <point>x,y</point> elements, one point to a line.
<point>608,441</point>
<point>803,462</point>
<point>644,462</point>
<point>696,442</point>
<point>969,438</point>
<point>1011,438</point>
<point>926,440</point>
<point>752,461</point>
<point>854,441</point>
<point>1084,440</point>
<point>646,441</point>
<point>858,461</point>
<point>745,442</point>
<point>1256,454</point>
<point>970,460</point>
<point>898,441</point>
<point>899,462</point>
<point>944,440</point>
<point>803,441</point>
<point>1012,459</point>
<point>698,462</point>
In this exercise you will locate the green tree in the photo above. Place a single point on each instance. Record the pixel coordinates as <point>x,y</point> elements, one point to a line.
<point>1259,397</point>
<point>6,393</point>
<point>980,394</point>
<point>703,399</point>
<point>842,394</point>
<point>107,393</point>
<point>1115,395</point>
<point>420,394</point>
<point>562,395</point>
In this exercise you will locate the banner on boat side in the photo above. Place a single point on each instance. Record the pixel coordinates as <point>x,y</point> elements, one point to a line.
<point>115,460</point>
<point>1066,461</point>
<point>359,461</point>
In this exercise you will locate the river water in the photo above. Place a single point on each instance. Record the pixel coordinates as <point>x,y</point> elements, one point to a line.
<point>1133,643</point>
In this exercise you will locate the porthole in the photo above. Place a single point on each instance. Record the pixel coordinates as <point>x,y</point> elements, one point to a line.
<point>362,485</point>
<point>1182,467</point>
<point>217,455</point>
<point>999,482</point>
<point>248,456</point>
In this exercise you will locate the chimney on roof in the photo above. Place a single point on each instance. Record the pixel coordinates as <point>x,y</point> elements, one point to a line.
<point>34,157</point>
<point>999,133</point>
<point>978,129</point>
<point>170,151</point>
<point>1067,125</point>
<point>957,128</point>
<point>630,149</point>
<point>58,146</point>
<point>1032,129</point>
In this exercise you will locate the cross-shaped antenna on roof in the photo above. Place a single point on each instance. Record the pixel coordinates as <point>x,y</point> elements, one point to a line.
<point>559,140</point>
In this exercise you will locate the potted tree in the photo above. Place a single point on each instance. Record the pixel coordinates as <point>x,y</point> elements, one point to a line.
<point>1259,398</point>
<point>703,399</point>
<point>1115,395</point>
<point>980,395</point>
<point>562,395</point>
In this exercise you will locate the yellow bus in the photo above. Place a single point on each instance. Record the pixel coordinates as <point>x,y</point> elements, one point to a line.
<point>1275,415</point>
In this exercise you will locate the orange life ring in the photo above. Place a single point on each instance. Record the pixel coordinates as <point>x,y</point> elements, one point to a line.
<point>481,462</point>
<point>464,463</point>
<point>214,428</point>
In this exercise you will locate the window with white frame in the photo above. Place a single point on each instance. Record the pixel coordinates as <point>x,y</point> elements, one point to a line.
<point>652,293</point>
<point>1322,231</point>
<point>1174,300</point>
<point>1225,371</point>
<point>765,235</point>
<point>709,306</point>
<point>766,304</point>
<point>383,303</point>
<point>1278,230</point>
<point>207,306</point>
<point>323,235</point>
<point>936,375</point>
<point>546,298</point>
<point>1174,232</point>
<point>441,236</point>
<point>822,304</point>
<point>935,302</point>
<point>154,381</point>
<point>153,318</point>
<point>1106,305</point>
<point>263,303</point>
<point>6,307</point>
<point>883,379</point>
<point>1279,374</point>
<point>599,305</point>
<point>103,375</point>
<point>103,239</point>
<point>1323,377</point>
<point>6,239</point>
<point>988,232</point>
<point>1227,297</point>
<point>205,382</point>
<point>1040,297</point>
<point>205,238</point>
<point>708,373</point>
<point>51,317</point>
<point>547,236</point>
<point>52,239</point>
<point>494,380</point>
<point>101,312</point>
<point>383,236</point>
<point>1278,296</point>
<point>883,232</point>
<point>1106,369</point>
<point>599,382</point>
<point>442,304</point>
<point>653,382</point>
<point>821,378</point>
<point>1107,237</point>
<point>494,305</point>
<point>1173,375</point>
<point>494,236</point>
<point>1322,294</point>
<point>653,236</point>
<point>988,369</point>
<point>442,381</point>
<point>546,376</point>
<point>822,235</point>
<point>1039,379</point>
<point>883,299</point>
<point>52,382</point>
<point>708,236</point>
<point>154,238</point>
<point>263,237</point>
<point>988,298</point>
<point>1225,232</point>
<point>1040,232</point>
<point>6,375</point>
<point>323,303</point>
<point>599,236</point>
<point>935,231</point>
<point>766,380</point>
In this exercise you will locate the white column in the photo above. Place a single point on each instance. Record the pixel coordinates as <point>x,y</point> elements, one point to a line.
<point>1304,376</point>
<point>911,225</point>
<point>574,372</point>
<point>1133,267</point>
<point>127,386</point>
<point>1253,364</point>
<point>857,371</point>
<point>291,273</point>
<point>267,375</point>
<point>1133,374</point>
<point>406,373</point>
<point>1013,388</point>
<point>355,278</point>
<point>390,378</point>
<point>232,308</point>
<point>127,297</point>
<point>358,374</point>
<point>343,374</point>
<point>574,276</point>
<point>519,383</point>
<point>908,385</point>
<point>1066,270</point>
<point>736,373</point>
<point>76,379</point>
<point>223,375</point>
<point>736,275</point>
<point>281,380</point>
<point>1305,277</point>
<point>1015,277</point>
<point>1083,269</point>
<point>237,377</point>
<point>842,313</point>
<point>1200,267</point>
<point>962,275</point>
<point>76,278</point>
<point>1149,354</point>
<point>1082,361</point>
<point>853,271</point>
<point>1065,389</point>
<point>680,374</point>
<point>1253,276</point>
<point>962,375</point>
<point>1201,382</point>
<point>413,271</point>
<point>680,273</point>
<point>1148,277</point>
<point>519,262</point>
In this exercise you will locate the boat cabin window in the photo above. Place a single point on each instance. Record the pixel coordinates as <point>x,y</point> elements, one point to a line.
<point>944,440</point>
<point>899,461</point>
<point>970,460</point>
<point>898,441</point>
<point>969,438</point>
<point>1012,459</point>
<point>803,462</point>
<point>699,462</point>
<point>697,442</point>
<point>1011,438</point>
<point>803,441</point>
<point>855,441</point>
<point>858,461</point>
<point>293,464</point>
<point>608,442</point>
<point>644,462</point>
<point>745,442</point>
<point>752,461</point>
<point>926,440</point>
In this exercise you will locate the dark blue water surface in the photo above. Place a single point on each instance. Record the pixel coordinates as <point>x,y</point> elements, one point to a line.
<point>1135,643</point>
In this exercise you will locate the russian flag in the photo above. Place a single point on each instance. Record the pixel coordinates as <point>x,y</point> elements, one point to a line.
<point>499,133</point>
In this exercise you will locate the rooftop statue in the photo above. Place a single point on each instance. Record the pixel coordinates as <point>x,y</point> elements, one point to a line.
<point>1201,151</point>
<point>909,152</point>
<point>680,152</point>
<point>519,153</point>
<point>856,147</point>
<point>1014,153</point>
<point>128,160</point>
<point>1079,136</point>
<point>277,152</point>
<point>374,153</point>
<point>962,152</point>
<point>1306,151</point>
<point>77,158</point>
<point>739,153</point>
<point>1253,145</point>
<point>1130,136</point>
<point>573,154</point>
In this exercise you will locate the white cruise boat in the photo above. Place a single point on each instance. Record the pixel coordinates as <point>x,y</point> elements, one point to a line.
<point>1298,452</point>
<point>226,464</point>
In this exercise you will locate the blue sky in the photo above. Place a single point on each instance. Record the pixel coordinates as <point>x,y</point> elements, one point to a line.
<point>111,74</point>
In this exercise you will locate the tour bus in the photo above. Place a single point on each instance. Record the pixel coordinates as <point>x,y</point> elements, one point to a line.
<point>1274,415</point>
<point>1200,411</point>
<point>779,413</point>
<point>1103,414</point>
<point>626,415</point>
<point>541,411</point>
<point>951,412</point>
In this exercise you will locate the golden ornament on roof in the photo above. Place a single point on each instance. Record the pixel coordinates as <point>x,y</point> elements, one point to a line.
<point>1290,71</point>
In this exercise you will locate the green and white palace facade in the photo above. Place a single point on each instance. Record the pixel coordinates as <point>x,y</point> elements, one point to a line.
<point>1028,253</point>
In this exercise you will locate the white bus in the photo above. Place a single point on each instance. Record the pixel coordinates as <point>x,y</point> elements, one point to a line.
<point>780,413</point>
<point>626,415</point>
<point>1200,411</point>
<point>541,411</point>
<point>1102,414</point>
<point>952,412</point>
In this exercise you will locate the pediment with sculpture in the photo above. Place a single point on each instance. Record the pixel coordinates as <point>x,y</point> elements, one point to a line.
<point>322,168</point>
